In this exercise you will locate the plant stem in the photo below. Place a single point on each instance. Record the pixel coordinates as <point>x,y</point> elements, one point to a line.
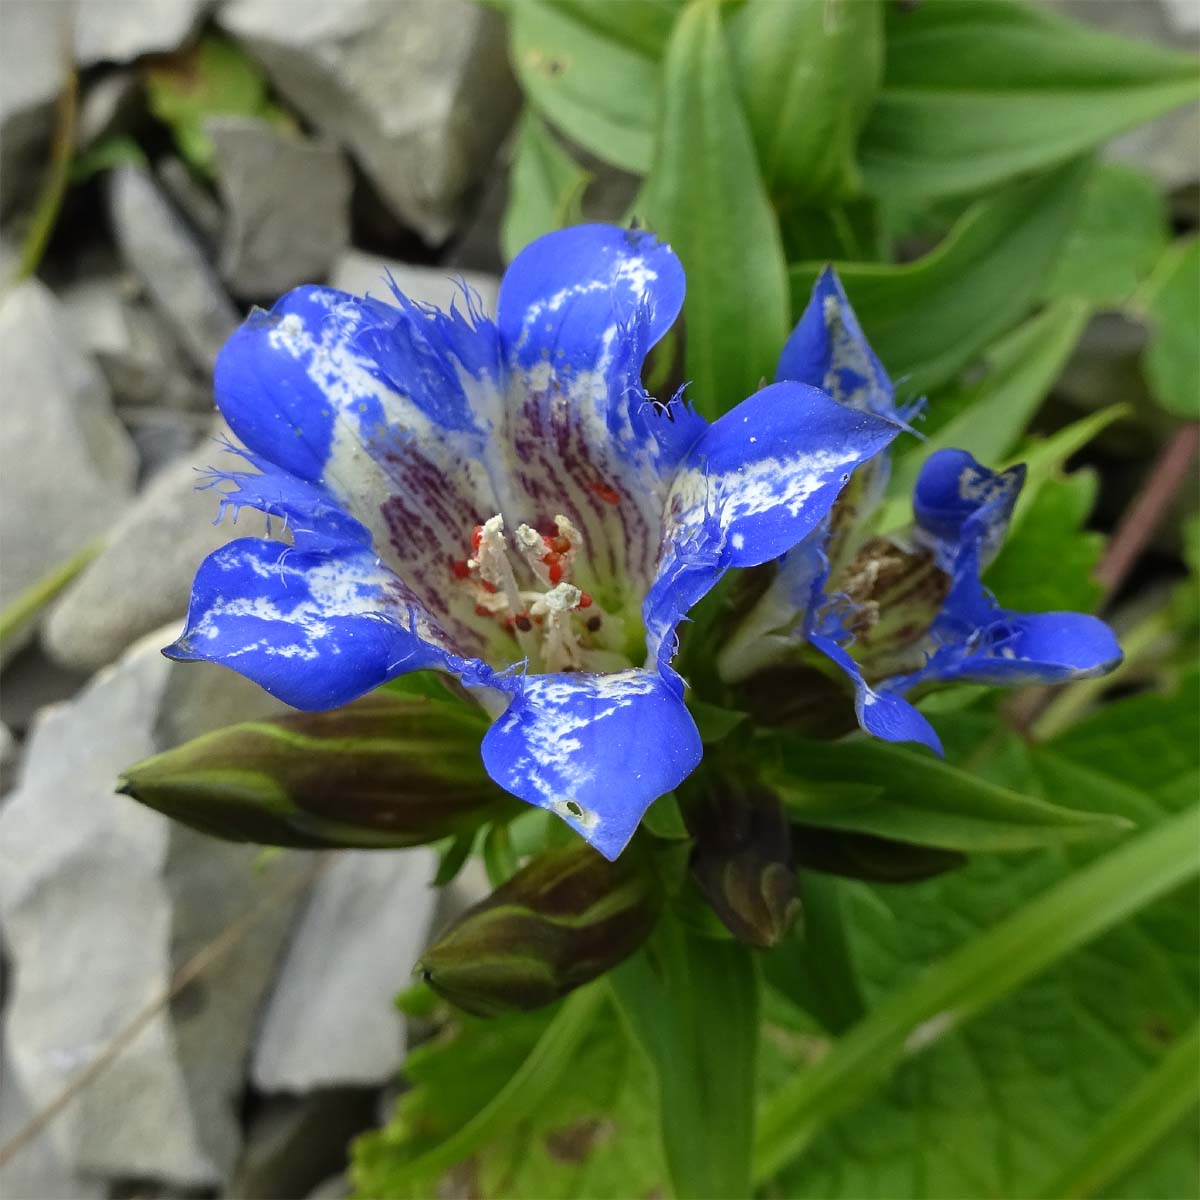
<point>951,991</point>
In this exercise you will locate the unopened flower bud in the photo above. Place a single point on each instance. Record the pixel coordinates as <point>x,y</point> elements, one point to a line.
<point>742,859</point>
<point>389,770</point>
<point>565,918</point>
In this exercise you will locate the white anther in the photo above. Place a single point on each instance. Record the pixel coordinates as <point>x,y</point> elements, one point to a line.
<point>532,546</point>
<point>491,557</point>
<point>560,647</point>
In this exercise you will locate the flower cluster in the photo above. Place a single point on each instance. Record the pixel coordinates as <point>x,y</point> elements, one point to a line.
<point>501,500</point>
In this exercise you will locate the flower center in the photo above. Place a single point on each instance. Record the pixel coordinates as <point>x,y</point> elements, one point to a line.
<point>522,585</point>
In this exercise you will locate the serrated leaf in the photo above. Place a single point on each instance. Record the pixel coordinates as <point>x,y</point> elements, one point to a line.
<point>545,188</point>
<point>977,93</point>
<point>1172,303</point>
<point>1052,533</point>
<point>929,318</point>
<point>997,1105</point>
<point>1119,234</point>
<point>601,93</point>
<point>593,1132</point>
<point>705,196</point>
<point>871,787</point>
<point>808,71</point>
<point>703,1053</point>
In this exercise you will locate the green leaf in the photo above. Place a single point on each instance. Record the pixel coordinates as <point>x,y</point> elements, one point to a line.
<point>927,319</point>
<point>878,788</point>
<point>977,93</point>
<point>597,90</point>
<point>545,190</point>
<point>1121,231</point>
<point>994,1106</point>
<point>585,1125</point>
<point>954,989</point>
<point>1159,1102</point>
<point>992,414</point>
<point>1054,534</point>
<point>386,771</point>
<point>808,71</point>
<point>692,1005</point>
<point>706,197</point>
<point>115,150</point>
<point>214,77</point>
<point>642,25</point>
<point>1172,304</point>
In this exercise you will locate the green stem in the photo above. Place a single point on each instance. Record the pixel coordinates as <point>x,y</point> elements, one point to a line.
<point>523,1094</point>
<point>31,601</point>
<point>951,991</point>
<point>1156,1105</point>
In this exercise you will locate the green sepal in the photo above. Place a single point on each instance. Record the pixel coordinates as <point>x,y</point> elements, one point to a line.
<point>565,918</point>
<point>386,771</point>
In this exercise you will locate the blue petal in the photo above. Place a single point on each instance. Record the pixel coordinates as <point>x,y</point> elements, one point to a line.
<point>771,469</point>
<point>828,349</point>
<point>315,628</point>
<point>311,515</point>
<point>881,713</point>
<point>569,294</point>
<point>1018,649</point>
<point>597,750</point>
<point>393,442</point>
<point>957,501</point>
<point>578,311</point>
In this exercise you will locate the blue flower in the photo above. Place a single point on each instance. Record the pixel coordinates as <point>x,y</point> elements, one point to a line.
<point>898,614</point>
<point>502,500</point>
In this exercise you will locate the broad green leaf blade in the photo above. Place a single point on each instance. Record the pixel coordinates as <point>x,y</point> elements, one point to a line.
<point>386,771</point>
<point>705,196</point>
<point>955,989</point>
<point>808,71</point>
<point>598,91</point>
<point>533,1078</point>
<point>1159,1102</point>
<point>1120,233</point>
<point>1172,302</point>
<point>545,189</point>
<point>1054,533</point>
<point>692,1004</point>
<point>997,1106</point>
<point>871,787</point>
<point>993,414</point>
<point>929,318</point>
<point>642,25</point>
<point>977,93</point>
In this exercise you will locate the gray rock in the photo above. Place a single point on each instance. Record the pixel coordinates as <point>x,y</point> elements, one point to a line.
<point>331,1020</point>
<point>101,903</point>
<point>160,248</point>
<point>294,1144</point>
<point>122,30</point>
<point>130,342</point>
<point>193,200</point>
<point>66,463</point>
<point>420,92</point>
<point>287,204</point>
<point>33,35</point>
<point>365,274</point>
<point>143,577</point>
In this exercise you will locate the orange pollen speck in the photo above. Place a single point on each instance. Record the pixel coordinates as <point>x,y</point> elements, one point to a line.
<point>585,601</point>
<point>480,611</point>
<point>608,494</point>
<point>560,543</point>
<point>460,569</point>
<point>476,537</point>
<point>556,571</point>
<point>490,588</point>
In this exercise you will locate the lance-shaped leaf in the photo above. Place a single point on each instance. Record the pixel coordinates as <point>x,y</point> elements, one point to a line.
<point>742,858</point>
<point>387,771</point>
<point>565,918</point>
